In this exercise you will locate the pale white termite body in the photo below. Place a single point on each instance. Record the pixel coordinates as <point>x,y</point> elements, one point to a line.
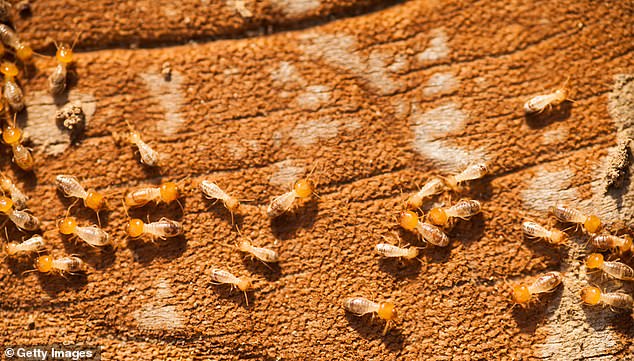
<point>536,230</point>
<point>70,186</point>
<point>432,187</point>
<point>212,191</point>
<point>225,277</point>
<point>281,204</point>
<point>34,244</point>
<point>361,306</point>
<point>464,209</point>
<point>472,172</point>
<point>432,234</point>
<point>148,155</point>
<point>24,220</point>
<point>545,283</point>
<point>607,241</point>
<point>261,253</point>
<point>92,235</point>
<point>392,251</point>
<point>539,103</point>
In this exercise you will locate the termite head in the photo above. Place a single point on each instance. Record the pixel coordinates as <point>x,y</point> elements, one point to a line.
<point>387,312</point>
<point>169,192</point>
<point>408,220</point>
<point>304,188</point>
<point>414,202</point>
<point>438,216</point>
<point>591,295</point>
<point>5,183</point>
<point>67,225</point>
<point>134,137</point>
<point>11,248</point>
<point>64,53</point>
<point>521,295</point>
<point>233,205</point>
<point>557,236</point>
<point>135,228</point>
<point>5,204</point>
<point>244,246</point>
<point>94,200</point>
<point>592,224</point>
<point>44,264</point>
<point>412,253</point>
<point>594,260</point>
<point>627,245</point>
<point>11,135</point>
<point>245,284</point>
<point>9,69</point>
<point>23,52</point>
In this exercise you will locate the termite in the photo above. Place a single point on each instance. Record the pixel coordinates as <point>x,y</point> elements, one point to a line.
<point>472,172</point>
<point>566,214</point>
<point>607,241</point>
<point>163,228</point>
<point>93,235</point>
<point>617,270</point>
<point>430,233</point>
<point>148,156</point>
<point>21,219</point>
<point>534,230</point>
<point>12,91</point>
<point>392,251</point>
<point>64,56</point>
<point>34,244</point>
<point>9,37</point>
<point>166,192</point>
<point>263,254</point>
<point>593,296</point>
<point>361,306</point>
<point>70,186</point>
<point>433,187</point>
<point>224,277</point>
<point>522,293</point>
<point>464,209</point>
<point>64,265</point>
<point>212,191</point>
<point>19,199</point>
<point>302,189</point>
<point>542,102</point>
<point>12,135</point>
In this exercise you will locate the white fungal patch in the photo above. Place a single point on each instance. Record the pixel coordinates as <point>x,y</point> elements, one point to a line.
<point>295,8</point>
<point>287,73</point>
<point>440,83</point>
<point>313,97</point>
<point>556,135</point>
<point>546,188</point>
<point>240,7</point>
<point>41,128</point>
<point>341,51</point>
<point>285,174</point>
<point>159,314</point>
<point>310,132</point>
<point>169,95</point>
<point>430,129</point>
<point>437,48</point>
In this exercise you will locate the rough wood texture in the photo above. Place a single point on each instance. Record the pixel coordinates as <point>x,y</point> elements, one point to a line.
<point>379,102</point>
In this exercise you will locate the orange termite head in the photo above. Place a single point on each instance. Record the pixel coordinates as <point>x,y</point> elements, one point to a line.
<point>627,245</point>
<point>591,295</point>
<point>233,205</point>
<point>412,253</point>
<point>595,260</point>
<point>169,192</point>
<point>244,246</point>
<point>67,225</point>
<point>11,248</point>
<point>521,295</point>
<point>438,216</point>
<point>135,228</point>
<point>94,200</point>
<point>9,69</point>
<point>5,183</point>
<point>592,224</point>
<point>11,135</point>
<point>44,264</point>
<point>558,237</point>
<point>23,52</point>
<point>408,220</point>
<point>134,137</point>
<point>387,311</point>
<point>5,204</point>
<point>64,53</point>
<point>304,188</point>
<point>245,284</point>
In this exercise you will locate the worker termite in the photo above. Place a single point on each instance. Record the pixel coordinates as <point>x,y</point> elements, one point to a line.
<point>263,254</point>
<point>34,244</point>
<point>9,37</point>
<point>593,296</point>
<point>391,251</point>
<point>607,241</point>
<point>166,192</point>
<point>430,233</point>
<point>70,186</point>
<point>12,91</point>
<point>472,172</point>
<point>212,191</point>
<point>433,187</point>
<point>164,228</point>
<point>539,103</point>
<point>464,209</point>
<point>12,135</point>
<point>566,214</point>
<point>147,155</point>
<point>19,199</point>
<point>617,270</point>
<point>302,189</point>
<point>360,306</point>
<point>224,277</point>
<point>62,266</point>
<point>522,293</point>
<point>64,56</point>
<point>535,230</point>
<point>93,235</point>
<point>21,219</point>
